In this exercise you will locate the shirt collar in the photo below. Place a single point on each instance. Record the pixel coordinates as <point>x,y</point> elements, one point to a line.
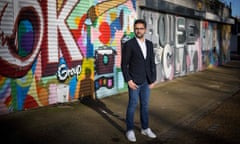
<point>140,40</point>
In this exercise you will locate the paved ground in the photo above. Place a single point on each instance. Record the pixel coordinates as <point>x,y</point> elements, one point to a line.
<point>219,126</point>
<point>198,108</point>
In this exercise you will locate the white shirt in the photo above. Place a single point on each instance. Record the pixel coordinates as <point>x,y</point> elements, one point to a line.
<point>143,47</point>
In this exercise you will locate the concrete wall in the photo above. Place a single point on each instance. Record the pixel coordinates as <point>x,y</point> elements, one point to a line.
<point>185,3</point>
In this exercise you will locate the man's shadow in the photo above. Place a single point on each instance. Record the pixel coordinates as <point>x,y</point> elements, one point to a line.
<point>104,111</point>
<point>87,97</point>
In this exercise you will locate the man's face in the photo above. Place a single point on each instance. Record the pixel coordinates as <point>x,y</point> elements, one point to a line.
<point>139,30</point>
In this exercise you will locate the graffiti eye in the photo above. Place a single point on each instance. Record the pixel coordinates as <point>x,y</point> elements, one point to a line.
<point>25,38</point>
<point>27,28</point>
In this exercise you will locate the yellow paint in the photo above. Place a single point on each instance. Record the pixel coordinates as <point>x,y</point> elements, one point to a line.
<point>59,4</point>
<point>33,92</point>
<point>113,16</point>
<point>87,63</point>
<point>77,20</point>
<point>26,80</point>
<point>2,80</point>
<point>95,11</point>
<point>106,5</point>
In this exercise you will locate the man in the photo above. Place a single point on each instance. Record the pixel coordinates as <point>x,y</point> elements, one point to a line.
<point>139,72</point>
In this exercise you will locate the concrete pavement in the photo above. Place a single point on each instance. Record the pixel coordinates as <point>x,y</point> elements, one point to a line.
<point>174,103</point>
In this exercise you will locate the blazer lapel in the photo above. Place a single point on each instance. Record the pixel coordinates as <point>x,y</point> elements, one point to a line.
<point>140,50</point>
<point>147,49</point>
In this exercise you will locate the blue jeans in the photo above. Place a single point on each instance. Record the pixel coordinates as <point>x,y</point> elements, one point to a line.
<point>142,93</point>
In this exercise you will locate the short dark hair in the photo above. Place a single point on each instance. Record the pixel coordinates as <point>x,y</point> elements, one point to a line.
<point>142,21</point>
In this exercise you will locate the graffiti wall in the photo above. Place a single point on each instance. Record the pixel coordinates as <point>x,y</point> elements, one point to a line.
<point>58,51</point>
<point>215,41</point>
<point>184,45</point>
<point>63,50</point>
<point>176,44</point>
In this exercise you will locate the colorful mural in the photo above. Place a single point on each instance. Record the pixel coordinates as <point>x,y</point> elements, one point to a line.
<point>215,43</point>
<point>210,44</point>
<point>63,51</point>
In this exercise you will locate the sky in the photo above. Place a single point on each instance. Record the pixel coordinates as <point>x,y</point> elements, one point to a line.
<point>235,7</point>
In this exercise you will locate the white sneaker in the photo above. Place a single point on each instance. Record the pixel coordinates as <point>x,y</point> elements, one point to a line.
<point>148,132</point>
<point>131,136</point>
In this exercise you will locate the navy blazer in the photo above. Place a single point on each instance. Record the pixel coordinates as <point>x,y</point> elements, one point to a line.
<point>133,64</point>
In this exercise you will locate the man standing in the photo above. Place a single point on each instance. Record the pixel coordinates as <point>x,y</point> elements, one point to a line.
<point>139,72</point>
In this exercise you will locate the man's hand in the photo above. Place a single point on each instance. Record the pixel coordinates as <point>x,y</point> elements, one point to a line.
<point>132,85</point>
<point>152,85</point>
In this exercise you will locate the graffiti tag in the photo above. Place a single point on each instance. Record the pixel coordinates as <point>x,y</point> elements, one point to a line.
<point>63,72</point>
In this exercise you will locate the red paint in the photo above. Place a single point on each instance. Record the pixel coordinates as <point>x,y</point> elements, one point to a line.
<point>105,31</point>
<point>30,102</point>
